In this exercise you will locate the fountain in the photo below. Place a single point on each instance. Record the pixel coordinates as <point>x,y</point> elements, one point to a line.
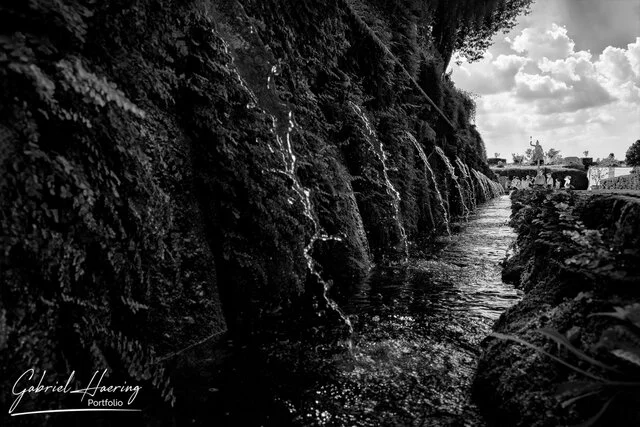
<point>429,171</point>
<point>452,172</point>
<point>394,194</point>
<point>282,133</point>
<point>489,188</point>
<point>471,192</point>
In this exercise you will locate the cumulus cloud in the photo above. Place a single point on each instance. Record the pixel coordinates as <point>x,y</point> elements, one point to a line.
<point>619,70</point>
<point>490,76</point>
<point>537,43</point>
<point>537,83</point>
<point>584,93</point>
<point>535,86</point>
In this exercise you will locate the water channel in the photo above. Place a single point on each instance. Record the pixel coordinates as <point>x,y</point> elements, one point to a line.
<point>413,354</point>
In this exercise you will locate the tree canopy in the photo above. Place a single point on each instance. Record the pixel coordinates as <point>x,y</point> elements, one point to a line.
<point>633,154</point>
<point>468,26</point>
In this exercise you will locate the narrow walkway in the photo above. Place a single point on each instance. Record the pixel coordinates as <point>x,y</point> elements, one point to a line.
<point>417,334</point>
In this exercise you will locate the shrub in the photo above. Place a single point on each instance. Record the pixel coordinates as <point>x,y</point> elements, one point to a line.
<point>626,182</point>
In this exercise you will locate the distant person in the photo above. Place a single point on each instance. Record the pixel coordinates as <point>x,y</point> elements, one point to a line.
<point>526,183</point>
<point>549,180</point>
<point>516,184</point>
<point>567,182</point>
<point>539,181</point>
<point>557,184</point>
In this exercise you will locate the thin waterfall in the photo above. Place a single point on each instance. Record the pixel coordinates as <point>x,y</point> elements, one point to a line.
<point>452,172</point>
<point>429,171</point>
<point>471,192</point>
<point>490,189</point>
<point>394,194</point>
<point>483,187</point>
<point>284,146</point>
<point>471,181</point>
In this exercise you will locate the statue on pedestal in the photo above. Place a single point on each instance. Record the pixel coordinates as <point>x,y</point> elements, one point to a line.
<point>538,153</point>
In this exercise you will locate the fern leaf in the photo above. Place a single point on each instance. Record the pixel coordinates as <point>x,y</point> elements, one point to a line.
<point>629,356</point>
<point>546,353</point>
<point>562,340</point>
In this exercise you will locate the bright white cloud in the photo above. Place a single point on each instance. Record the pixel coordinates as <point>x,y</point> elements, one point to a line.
<point>536,83</point>
<point>536,86</point>
<point>537,43</point>
<point>491,75</point>
<point>614,64</point>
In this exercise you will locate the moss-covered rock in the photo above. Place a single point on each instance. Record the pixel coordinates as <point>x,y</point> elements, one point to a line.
<point>576,255</point>
<point>176,172</point>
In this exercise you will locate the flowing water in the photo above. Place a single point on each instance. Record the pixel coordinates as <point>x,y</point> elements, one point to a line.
<point>452,174</point>
<point>416,339</point>
<point>434,182</point>
<point>381,154</point>
<point>416,327</point>
<point>417,331</point>
<point>468,183</point>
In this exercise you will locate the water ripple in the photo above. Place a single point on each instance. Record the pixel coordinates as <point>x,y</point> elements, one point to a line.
<point>417,332</point>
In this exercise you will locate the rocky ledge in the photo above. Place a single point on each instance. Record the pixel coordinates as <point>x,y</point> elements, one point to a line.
<point>568,353</point>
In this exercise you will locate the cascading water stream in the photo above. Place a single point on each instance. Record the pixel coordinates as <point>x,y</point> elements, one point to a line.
<point>471,183</point>
<point>490,188</point>
<point>483,186</point>
<point>428,169</point>
<point>391,190</point>
<point>285,149</point>
<point>452,172</point>
<point>471,192</point>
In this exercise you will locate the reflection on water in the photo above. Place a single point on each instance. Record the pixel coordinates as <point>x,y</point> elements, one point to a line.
<point>417,333</point>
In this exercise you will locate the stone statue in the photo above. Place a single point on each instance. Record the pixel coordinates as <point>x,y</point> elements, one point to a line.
<point>567,182</point>
<point>538,154</point>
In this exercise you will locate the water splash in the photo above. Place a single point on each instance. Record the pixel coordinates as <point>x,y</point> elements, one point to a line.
<point>428,169</point>
<point>273,73</point>
<point>391,190</point>
<point>452,172</point>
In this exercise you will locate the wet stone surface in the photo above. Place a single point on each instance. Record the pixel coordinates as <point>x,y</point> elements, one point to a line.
<point>417,331</point>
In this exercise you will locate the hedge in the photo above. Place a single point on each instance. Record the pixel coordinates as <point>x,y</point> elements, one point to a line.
<point>626,182</point>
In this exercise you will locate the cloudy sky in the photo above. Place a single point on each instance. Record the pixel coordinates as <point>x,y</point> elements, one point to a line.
<point>568,75</point>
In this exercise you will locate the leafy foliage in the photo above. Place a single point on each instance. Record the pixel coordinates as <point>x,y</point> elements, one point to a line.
<point>144,205</point>
<point>621,382</point>
<point>92,271</point>
<point>633,154</point>
<point>575,258</point>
